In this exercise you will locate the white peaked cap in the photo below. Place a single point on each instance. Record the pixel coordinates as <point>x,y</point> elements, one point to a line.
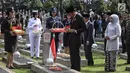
<point>35,11</point>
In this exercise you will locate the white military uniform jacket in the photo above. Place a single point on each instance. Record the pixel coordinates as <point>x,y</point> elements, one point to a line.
<point>32,23</point>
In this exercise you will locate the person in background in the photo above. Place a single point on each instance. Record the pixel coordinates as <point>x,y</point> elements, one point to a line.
<point>27,33</point>
<point>34,27</point>
<point>26,21</point>
<point>3,17</point>
<point>105,23</point>
<point>112,34</point>
<point>95,25</point>
<point>88,40</point>
<point>22,21</point>
<point>123,35</point>
<point>1,21</point>
<point>10,38</point>
<point>66,23</point>
<point>76,28</point>
<point>99,26</point>
<point>128,40</point>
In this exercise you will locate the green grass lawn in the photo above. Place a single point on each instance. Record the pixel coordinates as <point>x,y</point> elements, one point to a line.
<point>99,66</point>
<point>99,42</point>
<point>16,70</point>
<point>22,71</point>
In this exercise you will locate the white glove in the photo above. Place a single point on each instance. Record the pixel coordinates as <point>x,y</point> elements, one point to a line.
<point>87,42</point>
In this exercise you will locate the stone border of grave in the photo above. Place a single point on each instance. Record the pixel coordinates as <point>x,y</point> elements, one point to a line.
<point>40,69</point>
<point>26,52</point>
<point>99,39</point>
<point>67,62</point>
<point>17,64</point>
<point>59,60</point>
<point>98,51</point>
<point>2,52</point>
<point>123,56</point>
<point>127,68</point>
<point>6,69</point>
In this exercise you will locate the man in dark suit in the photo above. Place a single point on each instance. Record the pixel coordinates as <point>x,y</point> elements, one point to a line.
<point>128,41</point>
<point>77,26</point>
<point>88,39</point>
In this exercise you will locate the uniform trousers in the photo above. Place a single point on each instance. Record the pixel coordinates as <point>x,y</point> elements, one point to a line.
<point>35,44</point>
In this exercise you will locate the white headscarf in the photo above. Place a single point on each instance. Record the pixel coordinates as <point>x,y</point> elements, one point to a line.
<point>115,20</point>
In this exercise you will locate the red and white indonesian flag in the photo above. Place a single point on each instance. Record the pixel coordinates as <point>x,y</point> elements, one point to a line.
<point>52,53</point>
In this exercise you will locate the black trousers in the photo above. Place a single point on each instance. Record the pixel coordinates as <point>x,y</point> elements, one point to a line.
<point>128,53</point>
<point>88,50</point>
<point>105,41</point>
<point>88,53</point>
<point>103,32</point>
<point>74,45</point>
<point>75,57</point>
<point>123,44</point>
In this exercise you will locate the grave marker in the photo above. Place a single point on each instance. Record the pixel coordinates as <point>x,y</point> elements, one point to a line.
<point>46,42</point>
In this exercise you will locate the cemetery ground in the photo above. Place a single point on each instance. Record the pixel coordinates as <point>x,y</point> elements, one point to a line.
<point>97,68</point>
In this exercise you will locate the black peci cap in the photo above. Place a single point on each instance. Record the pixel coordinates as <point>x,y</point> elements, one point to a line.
<point>70,9</point>
<point>10,9</point>
<point>109,13</point>
<point>85,15</point>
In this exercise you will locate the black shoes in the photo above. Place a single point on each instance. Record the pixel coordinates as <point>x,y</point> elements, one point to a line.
<point>127,63</point>
<point>110,70</point>
<point>90,63</point>
<point>11,67</point>
<point>37,57</point>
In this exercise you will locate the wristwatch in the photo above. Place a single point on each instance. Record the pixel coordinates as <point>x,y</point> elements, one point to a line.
<point>75,31</point>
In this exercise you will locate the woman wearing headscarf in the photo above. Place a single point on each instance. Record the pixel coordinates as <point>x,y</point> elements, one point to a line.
<point>112,34</point>
<point>34,27</point>
<point>10,38</point>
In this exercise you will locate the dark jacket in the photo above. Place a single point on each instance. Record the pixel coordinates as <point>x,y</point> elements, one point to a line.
<point>9,40</point>
<point>66,35</point>
<point>88,34</point>
<point>128,32</point>
<point>79,25</point>
<point>50,22</point>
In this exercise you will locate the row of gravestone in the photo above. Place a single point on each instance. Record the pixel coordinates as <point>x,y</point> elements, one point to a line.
<point>23,62</point>
<point>5,70</point>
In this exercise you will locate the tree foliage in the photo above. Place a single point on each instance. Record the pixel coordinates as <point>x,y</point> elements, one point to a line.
<point>31,4</point>
<point>36,4</point>
<point>47,5</point>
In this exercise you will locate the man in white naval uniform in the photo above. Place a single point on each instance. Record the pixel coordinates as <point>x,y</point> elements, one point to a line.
<point>35,27</point>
